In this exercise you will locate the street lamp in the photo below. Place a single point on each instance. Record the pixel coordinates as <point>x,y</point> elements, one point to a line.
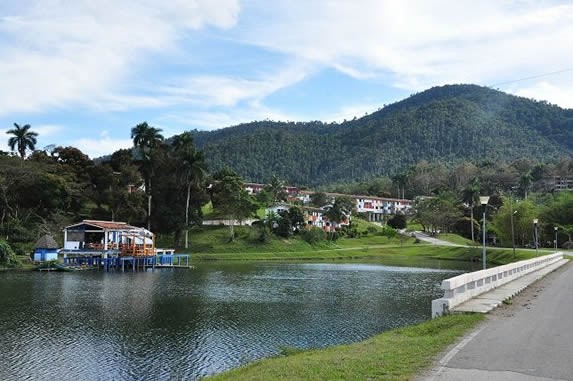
<point>535,221</point>
<point>513,232</point>
<point>483,201</point>
<point>511,214</point>
<point>555,228</point>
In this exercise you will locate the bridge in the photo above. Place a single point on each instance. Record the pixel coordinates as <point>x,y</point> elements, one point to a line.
<point>482,291</point>
<point>529,338</point>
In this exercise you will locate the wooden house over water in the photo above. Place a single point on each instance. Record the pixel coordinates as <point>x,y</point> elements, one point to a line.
<point>46,249</point>
<point>94,235</point>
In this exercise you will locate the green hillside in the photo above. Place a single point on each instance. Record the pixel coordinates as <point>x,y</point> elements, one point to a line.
<point>449,123</point>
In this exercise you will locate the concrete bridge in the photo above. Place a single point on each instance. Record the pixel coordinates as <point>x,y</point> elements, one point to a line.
<point>482,291</point>
<point>528,339</point>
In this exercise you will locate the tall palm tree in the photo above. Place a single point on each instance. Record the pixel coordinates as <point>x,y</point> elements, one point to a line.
<point>146,139</point>
<point>470,195</point>
<point>525,182</point>
<point>191,169</point>
<point>23,139</point>
<point>400,180</point>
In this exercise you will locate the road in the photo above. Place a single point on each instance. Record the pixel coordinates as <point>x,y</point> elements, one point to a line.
<point>531,339</point>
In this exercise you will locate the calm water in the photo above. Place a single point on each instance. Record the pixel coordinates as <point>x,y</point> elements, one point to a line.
<point>182,324</point>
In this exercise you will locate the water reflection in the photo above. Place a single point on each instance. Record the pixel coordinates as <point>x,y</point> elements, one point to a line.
<point>176,324</point>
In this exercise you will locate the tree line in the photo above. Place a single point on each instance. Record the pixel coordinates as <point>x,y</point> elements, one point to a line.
<point>163,184</point>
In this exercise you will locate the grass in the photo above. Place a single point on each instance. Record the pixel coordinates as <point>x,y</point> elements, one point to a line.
<point>457,239</point>
<point>393,355</point>
<point>212,243</point>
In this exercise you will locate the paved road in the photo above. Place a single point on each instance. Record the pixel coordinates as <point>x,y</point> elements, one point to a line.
<point>532,339</point>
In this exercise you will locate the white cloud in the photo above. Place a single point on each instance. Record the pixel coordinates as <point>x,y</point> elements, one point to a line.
<point>47,130</point>
<point>213,90</point>
<point>545,90</point>
<point>349,112</point>
<point>57,53</point>
<point>211,120</point>
<point>100,146</point>
<point>421,43</point>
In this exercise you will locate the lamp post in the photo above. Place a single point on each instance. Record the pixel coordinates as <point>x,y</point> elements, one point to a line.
<point>512,213</point>
<point>483,201</point>
<point>535,221</point>
<point>555,228</point>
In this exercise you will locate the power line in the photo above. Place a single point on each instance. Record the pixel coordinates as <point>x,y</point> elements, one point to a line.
<point>532,77</point>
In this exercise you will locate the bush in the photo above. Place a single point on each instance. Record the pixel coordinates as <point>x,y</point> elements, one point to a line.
<point>7,256</point>
<point>352,233</point>
<point>398,221</point>
<point>313,235</point>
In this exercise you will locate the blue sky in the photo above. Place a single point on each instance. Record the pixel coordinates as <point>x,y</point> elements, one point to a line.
<point>84,72</point>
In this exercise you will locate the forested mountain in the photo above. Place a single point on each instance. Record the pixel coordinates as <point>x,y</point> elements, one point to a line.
<point>451,123</point>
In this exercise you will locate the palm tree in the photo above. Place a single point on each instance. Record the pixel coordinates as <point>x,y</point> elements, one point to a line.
<point>23,139</point>
<point>525,182</point>
<point>400,180</point>
<point>191,169</point>
<point>146,139</point>
<point>470,195</point>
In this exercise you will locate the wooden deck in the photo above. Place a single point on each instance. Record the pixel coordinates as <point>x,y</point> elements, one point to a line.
<point>115,260</point>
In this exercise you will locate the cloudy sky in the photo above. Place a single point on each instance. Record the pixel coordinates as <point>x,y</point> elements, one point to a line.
<point>83,72</point>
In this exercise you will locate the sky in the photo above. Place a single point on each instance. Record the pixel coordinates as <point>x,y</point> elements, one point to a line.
<point>82,73</point>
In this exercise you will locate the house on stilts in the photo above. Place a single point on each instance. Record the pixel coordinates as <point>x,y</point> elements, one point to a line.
<point>111,244</point>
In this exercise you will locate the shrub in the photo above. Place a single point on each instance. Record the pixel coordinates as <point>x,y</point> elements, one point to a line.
<point>313,235</point>
<point>372,229</point>
<point>7,256</point>
<point>398,221</point>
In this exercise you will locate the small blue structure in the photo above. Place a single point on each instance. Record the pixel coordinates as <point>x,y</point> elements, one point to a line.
<point>46,249</point>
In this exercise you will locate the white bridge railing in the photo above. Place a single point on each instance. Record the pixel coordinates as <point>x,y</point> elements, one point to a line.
<point>463,287</point>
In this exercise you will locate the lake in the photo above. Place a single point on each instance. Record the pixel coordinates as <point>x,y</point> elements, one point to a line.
<point>183,324</point>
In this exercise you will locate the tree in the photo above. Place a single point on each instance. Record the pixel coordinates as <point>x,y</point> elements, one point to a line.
<point>400,180</point>
<point>191,169</point>
<point>437,213</point>
<point>277,189</point>
<point>296,217</point>
<point>146,139</point>
<point>318,199</point>
<point>340,211</point>
<point>559,213</point>
<point>23,139</point>
<point>523,214</point>
<point>231,199</point>
<point>525,182</point>
<point>7,256</point>
<point>398,221</point>
<point>470,196</point>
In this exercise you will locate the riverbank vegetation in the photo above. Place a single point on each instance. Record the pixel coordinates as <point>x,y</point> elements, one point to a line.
<point>398,354</point>
<point>164,184</point>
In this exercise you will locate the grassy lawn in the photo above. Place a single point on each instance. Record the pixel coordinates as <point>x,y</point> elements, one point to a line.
<point>457,239</point>
<point>215,246</point>
<point>212,243</point>
<point>393,355</point>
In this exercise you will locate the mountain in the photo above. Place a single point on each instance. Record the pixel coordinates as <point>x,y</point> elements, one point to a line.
<point>450,123</point>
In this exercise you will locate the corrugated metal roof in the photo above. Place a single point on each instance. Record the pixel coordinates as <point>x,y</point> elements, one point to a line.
<point>114,226</point>
<point>108,224</point>
<point>111,225</point>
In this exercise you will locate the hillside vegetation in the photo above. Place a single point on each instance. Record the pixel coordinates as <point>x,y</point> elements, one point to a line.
<point>449,124</point>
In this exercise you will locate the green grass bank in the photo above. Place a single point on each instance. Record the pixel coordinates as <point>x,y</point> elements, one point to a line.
<point>393,355</point>
<point>212,243</point>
